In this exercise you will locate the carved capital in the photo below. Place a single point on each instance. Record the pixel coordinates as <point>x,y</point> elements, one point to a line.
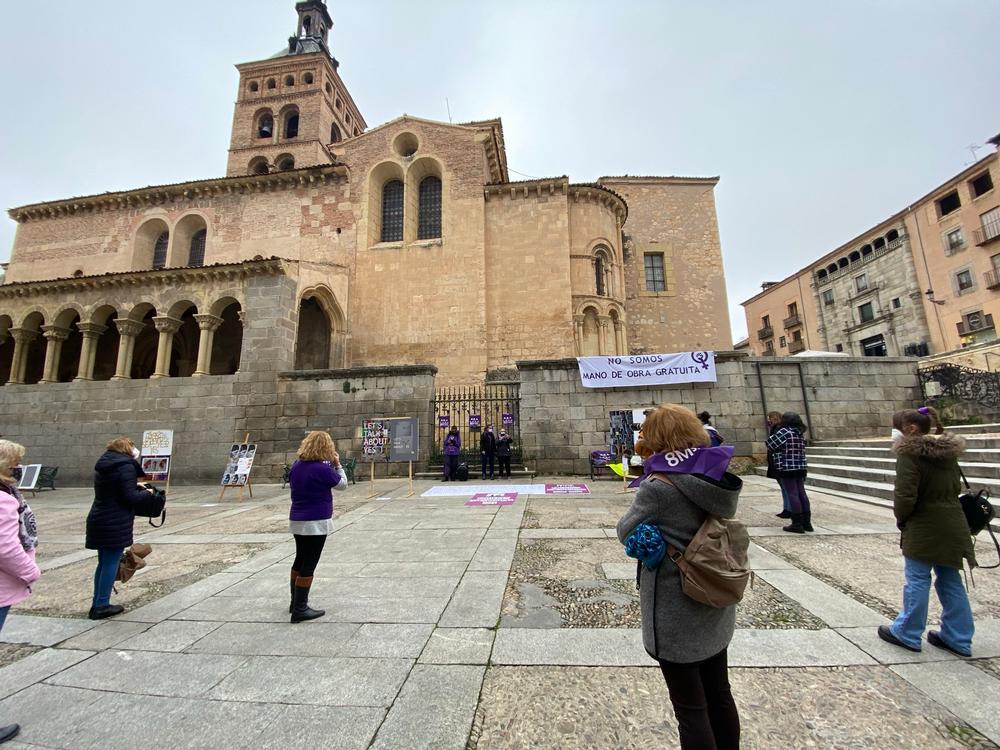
<point>55,333</point>
<point>91,330</point>
<point>166,324</point>
<point>129,327</point>
<point>207,322</point>
<point>23,335</point>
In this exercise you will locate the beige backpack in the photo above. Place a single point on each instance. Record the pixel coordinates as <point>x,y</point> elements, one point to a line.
<point>715,567</point>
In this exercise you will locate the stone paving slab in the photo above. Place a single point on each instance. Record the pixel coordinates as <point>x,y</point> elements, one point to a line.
<point>458,646</point>
<point>64,560</point>
<point>315,681</point>
<point>273,639</point>
<point>563,534</point>
<point>326,727</point>
<point>434,709</point>
<point>477,600</point>
<point>867,640</point>
<point>107,634</point>
<point>494,554</point>
<point>761,559</point>
<point>149,673</point>
<point>831,606</point>
<point>776,531</point>
<point>42,631</point>
<point>382,640</point>
<point>171,635</point>
<point>794,648</point>
<point>411,570</point>
<point>967,692</point>
<point>37,667</point>
<point>180,600</point>
<point>263,560</point>
<point>619,571</point>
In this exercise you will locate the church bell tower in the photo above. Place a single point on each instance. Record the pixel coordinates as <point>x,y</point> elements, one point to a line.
<point>293,108</point>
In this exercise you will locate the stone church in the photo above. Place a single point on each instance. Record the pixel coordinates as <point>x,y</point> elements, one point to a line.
<point>345,246</point>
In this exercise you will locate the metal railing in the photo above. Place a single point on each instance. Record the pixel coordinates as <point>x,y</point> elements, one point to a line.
<point>987,233</point>
<point>992,282</point>
<point>792,320</point>
<point>765,333</point>
<point>985,324</point>
<point>961,384</point>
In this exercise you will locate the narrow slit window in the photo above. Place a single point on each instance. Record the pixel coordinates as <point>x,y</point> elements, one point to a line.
<point>160,251</point>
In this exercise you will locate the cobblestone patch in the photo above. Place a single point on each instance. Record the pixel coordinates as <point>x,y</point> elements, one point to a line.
<point>856,708</point>
<point>12,652</point>
<point>990,666</point>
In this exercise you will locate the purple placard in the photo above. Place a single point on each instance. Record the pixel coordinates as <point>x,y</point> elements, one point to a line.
<point>444,421</point>
<point>492,498</point>
<point>475,421</point>
<point>507,419</point>
<point>567,489</point>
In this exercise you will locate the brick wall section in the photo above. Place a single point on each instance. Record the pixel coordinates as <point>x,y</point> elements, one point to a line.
<point>562,422</point>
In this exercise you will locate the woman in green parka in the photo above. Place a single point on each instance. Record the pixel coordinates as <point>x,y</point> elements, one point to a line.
<point>935,536</point>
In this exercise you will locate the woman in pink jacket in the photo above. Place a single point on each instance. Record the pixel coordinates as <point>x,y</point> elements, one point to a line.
<point>18,538</point>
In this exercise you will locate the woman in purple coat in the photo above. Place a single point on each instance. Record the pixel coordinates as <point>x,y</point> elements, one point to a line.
<point>310,519</point>
<point>452,450</point>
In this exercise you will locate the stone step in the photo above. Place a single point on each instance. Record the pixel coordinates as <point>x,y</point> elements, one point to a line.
<point>972,441</point>
<point>887,474</point>
<point>987,470</point>
<point>974,429</point>
<point>981,455</point>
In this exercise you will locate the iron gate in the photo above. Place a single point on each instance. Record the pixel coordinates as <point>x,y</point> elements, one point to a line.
<point>961,383</point>
<point>490,403</point>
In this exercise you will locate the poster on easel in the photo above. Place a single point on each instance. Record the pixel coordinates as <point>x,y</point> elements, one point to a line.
<point>392,439</point>
<point>156,453</point>
<point>238,467</point>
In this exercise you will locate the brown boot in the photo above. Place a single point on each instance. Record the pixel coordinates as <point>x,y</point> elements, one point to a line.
<point>301,610</point>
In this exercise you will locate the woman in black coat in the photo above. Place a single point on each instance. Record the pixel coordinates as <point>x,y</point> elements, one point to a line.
<point>111,517</point>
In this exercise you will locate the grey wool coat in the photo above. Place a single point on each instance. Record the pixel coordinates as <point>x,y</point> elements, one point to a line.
<point>676,628</point>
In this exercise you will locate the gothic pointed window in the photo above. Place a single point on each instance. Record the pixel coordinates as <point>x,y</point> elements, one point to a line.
<point>196,257</point>
<point>160,251</point>
<point>429,213</point>
<point>392,211</point>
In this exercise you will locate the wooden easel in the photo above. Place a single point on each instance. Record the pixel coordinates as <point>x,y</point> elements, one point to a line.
<point>371,491</point>
<point>248,485</point>
<point>410,493</point>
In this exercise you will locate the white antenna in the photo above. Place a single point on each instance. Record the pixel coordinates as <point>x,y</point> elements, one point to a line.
<point>973,148</point>
<point>448,105</point>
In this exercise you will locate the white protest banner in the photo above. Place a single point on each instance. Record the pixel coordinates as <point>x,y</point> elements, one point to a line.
<point>647,369</point>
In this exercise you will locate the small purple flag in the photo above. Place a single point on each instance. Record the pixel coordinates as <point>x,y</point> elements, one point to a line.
<point>711,462</point>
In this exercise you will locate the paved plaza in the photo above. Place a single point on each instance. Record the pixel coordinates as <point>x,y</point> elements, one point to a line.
<point>451,626</point>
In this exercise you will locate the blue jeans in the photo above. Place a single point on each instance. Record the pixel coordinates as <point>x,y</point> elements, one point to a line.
<point>3,615</point>
<point>957,627</point>
<point>104,576</point>
<point>785,505</point>
<point>487,459</point>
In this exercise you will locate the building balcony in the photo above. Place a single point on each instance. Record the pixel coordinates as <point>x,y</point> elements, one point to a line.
<point>792,321</point>
<point>765,333</point>
<point>987,233</point>
<point>992,282</point>
<point>985,324</point>
<point>796,345</point>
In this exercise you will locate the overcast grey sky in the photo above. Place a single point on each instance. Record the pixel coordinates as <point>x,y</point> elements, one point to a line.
<point>821,118</point>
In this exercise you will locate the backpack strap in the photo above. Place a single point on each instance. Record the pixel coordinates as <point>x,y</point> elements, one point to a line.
<point>964,480</point>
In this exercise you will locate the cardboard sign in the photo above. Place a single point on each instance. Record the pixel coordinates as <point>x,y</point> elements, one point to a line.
<point>241,457</point>
<point>492,498</point>
<point>475,421</point>
<point>444,421</point>
<point>507,419</point>
<point>29,476</point>
<point>567,489</point>
<point>375,439</point>
<point>154,457</point>
<point>404,434</point>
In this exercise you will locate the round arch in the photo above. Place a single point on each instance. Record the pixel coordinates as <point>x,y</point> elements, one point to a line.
<point>590,335</point>
<point>106,346</point>
<point>378,176</point>
<point>34,355</point>
<point>321,336</point>
<point>263,124</point>
<point>227,343</point>
<point>191,235</point>
<point>149,246</point>
<point>258,166</point>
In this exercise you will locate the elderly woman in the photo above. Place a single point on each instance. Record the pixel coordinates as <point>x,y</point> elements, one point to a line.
<point>689,639</point>
<point>18,539</point>
<point>313,476</point>
<point>112,517</point>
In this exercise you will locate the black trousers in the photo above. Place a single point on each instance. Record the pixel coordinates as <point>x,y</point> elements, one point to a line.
<point>308,549</point>
<point>703,703</point>
<point>488,459</point>
<point>504,462</point>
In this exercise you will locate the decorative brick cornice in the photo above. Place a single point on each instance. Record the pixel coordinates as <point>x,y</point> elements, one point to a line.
<point>166,277</point>
<point>561,186</point>
<point>183,191</point>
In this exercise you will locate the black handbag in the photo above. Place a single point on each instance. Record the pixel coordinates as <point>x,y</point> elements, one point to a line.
<point>979,512</point>
<point>152,505</point>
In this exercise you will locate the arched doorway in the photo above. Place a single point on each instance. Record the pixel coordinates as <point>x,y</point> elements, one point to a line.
<point>227,346</point>
<point>312,342</point>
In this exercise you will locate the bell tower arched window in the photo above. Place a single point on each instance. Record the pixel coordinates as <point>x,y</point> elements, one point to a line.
<point>265,126</point>
<point>292,125</point>
<point>429,209</point>
<point>392,211</point>
<point>160,251</point>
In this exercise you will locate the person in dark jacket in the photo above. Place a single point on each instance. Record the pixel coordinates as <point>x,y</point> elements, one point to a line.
<point>310,518</point>
<point>773,425</point>
<point>934,537</point>
<point>488,447</point>
<point>111,518</point>
<point>503,453</point>
<point>690,640</point>
<point>789,449</point>
<point>452,450</point>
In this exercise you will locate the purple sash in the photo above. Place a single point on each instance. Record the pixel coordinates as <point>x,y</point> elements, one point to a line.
<point>711,462</point>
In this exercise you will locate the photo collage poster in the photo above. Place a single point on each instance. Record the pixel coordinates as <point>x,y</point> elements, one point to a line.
<point>241,457</point>
<point>157,449</point>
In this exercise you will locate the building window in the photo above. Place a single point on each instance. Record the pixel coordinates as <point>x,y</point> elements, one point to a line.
<point>392,211</point>
<point>765,321</point>
<point>981,185</point>
<point>861,282</point>
<point>840,347</point>
<point>196,257</point>
<point>964,281</point>
<point>160,251</point>
<point>828,297</point>
<point>334,133</point>
<point>948,204</point>
<point>289,80</point>
<point>286,163</point>
<point>429,209</point>
<point>954,240</point>
<point>254,86</point>
<point>599,275</point>
<point>292,125</point>
<point>265,126</point>
<point>307,78</point>
<point>896,304</point>
<point>270,83</point>
<point>769,347</point>
<point>781,341</point>
<point>793,310</point>
<point>866,312</point>
<point>655,279</point>
<point>874,346</point>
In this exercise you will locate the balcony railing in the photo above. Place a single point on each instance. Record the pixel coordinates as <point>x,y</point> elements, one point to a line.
<point>854,265</point>
<point>765,333</point>
<point>796,345</point>
<point>992,282</point>
<point>792,320</point>
<point>985,323</point>
<point>987,233</point>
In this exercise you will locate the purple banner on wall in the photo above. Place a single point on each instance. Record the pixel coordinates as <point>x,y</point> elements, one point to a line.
<point>444,420</point>
<point>475,421</point>
<point>507,419</point>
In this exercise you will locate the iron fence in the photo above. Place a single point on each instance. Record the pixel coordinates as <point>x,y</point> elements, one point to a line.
<point>961,384</point>
<point>471,409</point>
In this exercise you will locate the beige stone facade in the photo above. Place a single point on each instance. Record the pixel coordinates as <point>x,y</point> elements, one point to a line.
<point>926,280</point>
<point>405,243</point>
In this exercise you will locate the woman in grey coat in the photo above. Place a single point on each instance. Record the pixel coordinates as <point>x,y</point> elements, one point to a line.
<point>688,639</point>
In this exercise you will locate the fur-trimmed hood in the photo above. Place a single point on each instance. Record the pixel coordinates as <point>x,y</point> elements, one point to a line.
<point>933,447</point>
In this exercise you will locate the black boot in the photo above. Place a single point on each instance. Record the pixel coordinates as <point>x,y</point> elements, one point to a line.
<point>291,591</point>
<point>795,527</point>
<point>100,613</point>
<point>301,610</point>
<point>9,732</point>
<point>784,514</point>
<point>807,521</point>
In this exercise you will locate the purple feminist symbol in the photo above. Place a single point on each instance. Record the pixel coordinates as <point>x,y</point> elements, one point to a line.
<point>700,358</point>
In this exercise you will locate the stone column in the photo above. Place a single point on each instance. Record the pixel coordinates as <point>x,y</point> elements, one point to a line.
<point>208,325</point>
<point>167,327</point>
<point>128,330</point>
<point>91,332</point>
<point>54,337</point>
<point>604,325</point>
<point>578,333</point>
<point>19,364</point>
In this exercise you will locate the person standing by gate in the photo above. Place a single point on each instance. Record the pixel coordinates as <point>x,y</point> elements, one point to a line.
<point>488,447</point>
<point>503,453</point>
<point>452,449</point>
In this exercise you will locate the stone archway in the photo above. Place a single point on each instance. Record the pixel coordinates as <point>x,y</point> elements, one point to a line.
<point>321,338</point>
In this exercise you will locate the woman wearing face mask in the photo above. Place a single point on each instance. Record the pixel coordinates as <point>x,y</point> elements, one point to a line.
<point>111,517</point>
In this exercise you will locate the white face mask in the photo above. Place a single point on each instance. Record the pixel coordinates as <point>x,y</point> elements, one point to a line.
<point>896,436</point>
<point>135,453</point>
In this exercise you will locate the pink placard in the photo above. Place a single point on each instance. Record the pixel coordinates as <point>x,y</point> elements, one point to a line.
<point>567,489</point>
<point>492,498</point>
